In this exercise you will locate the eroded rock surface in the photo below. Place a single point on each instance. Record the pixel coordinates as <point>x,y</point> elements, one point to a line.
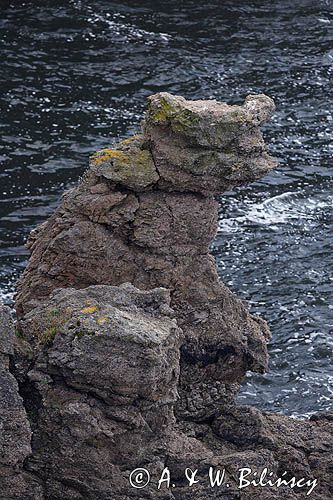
<point>130,350</point>
<point>145,213</point>
<point>15,431</point>
<point>101,394</point>
<point>106,373</point>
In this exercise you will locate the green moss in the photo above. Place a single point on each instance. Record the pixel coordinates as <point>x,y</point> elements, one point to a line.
<point>183,122</point>
<point>55,313</point>
<point>18,333</point>
<point>54,321</point>
<point>160,112</point>
<point>48,335</point>
<point>80,333</point>
<point>165,111</point>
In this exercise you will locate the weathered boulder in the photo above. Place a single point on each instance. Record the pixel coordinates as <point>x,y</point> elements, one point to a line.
<point>207,146</point>
<point>123,333</point>
<point>106,373</point>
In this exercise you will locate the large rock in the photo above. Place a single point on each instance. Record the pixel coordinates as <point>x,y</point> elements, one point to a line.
<point>145,213</point>
<point>116,372</point>
<point>123,333</point>
<point>207,146</point>
<point>106,371</point>
<point>104,380</point>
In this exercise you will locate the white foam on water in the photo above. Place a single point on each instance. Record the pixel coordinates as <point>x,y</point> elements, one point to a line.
<point>279,209</point>
<point>6,297</point>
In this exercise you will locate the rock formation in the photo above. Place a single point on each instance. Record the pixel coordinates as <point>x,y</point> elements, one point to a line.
<point>145,213</point>
<point>129,349</point>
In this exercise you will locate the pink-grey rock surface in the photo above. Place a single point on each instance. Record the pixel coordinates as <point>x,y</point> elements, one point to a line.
<point>129,349</point>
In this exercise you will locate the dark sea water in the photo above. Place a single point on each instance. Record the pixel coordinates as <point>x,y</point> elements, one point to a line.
<point>74,78</point>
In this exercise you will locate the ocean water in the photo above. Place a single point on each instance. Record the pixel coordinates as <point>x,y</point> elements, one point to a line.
<point>75,76</point>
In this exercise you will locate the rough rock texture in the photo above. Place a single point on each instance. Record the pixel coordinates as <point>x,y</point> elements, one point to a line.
<point>130,350</point>
<point>106,374</point>
<point>15,432</point>
<point>145,213</point>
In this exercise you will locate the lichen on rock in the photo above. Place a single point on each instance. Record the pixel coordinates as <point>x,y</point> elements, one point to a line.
<point>130,164</point>
<point>207,123</point>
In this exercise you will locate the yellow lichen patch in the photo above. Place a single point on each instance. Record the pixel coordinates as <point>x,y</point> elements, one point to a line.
<point>133,166</point>
<point>89,310</point>
<point>102,320</point>
<point>107,154</point>
<point>129,141</point>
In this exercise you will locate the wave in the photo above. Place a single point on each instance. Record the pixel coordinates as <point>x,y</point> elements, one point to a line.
<point>280,209</point>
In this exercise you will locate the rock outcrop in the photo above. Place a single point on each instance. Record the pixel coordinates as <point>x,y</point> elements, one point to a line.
<point>130,350</point>
<point>145,213</point>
